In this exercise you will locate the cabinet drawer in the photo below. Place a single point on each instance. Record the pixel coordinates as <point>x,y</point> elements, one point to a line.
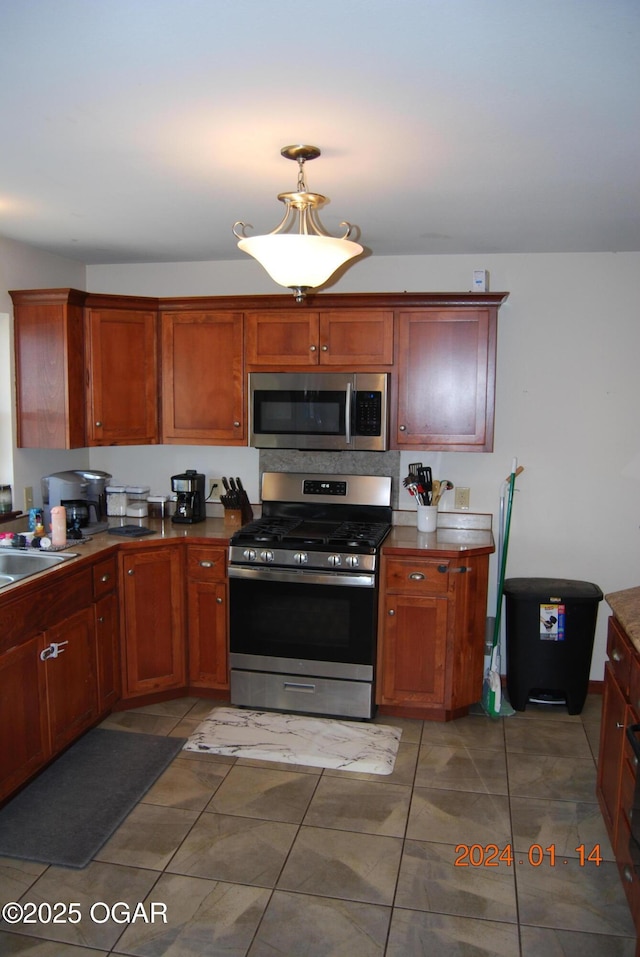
<point>416,576</point>
<point>620,655</point>
<point>105,577</point>
<point>206,563</point>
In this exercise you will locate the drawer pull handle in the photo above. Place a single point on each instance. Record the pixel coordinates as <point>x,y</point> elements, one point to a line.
<point>416,577</point>
<point>105,578</point>
<point>615,654</point>
<point>299,688</point>
<point>206,564</point>
<point>461,569</point>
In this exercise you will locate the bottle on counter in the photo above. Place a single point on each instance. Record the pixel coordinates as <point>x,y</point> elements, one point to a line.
<point>58,526</point>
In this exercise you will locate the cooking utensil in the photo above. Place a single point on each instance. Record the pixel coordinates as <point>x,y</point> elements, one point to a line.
<point>443,486</point>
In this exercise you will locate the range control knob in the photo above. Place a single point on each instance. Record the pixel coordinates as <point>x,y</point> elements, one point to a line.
<point>300,558</point>
<point>249,554</point>
<point>334,560</point>
<point>267,555</point>
<point>352,561</point>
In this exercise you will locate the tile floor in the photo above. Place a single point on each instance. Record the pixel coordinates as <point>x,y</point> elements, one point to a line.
<point>273,860</point>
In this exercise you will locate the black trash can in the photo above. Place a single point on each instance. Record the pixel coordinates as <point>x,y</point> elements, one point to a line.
<point>550,627</point>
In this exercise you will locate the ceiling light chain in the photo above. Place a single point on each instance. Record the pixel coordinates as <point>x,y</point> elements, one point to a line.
<point>299,253</point>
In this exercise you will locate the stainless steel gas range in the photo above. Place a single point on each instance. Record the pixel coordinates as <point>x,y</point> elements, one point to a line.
<point>303,583</point>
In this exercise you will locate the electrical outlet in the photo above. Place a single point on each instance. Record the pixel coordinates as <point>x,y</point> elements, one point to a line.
<point>216,489</point>
<point>28,497</point>
<point>462,496</point>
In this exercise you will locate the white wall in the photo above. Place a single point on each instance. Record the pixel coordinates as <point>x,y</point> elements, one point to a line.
<point>567,398</point>
<point>567,401</point>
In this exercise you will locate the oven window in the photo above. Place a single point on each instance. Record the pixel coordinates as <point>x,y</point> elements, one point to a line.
<point>288,412</point>
<point>316,622</point>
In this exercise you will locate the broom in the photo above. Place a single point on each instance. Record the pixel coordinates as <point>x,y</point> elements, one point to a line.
<point>493,700</point>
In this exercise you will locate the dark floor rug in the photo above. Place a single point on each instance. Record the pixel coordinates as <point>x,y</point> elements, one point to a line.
<point>69,811</point>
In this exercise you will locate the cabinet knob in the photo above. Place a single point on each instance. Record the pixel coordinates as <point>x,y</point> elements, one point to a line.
<point>325,348</point>
<point>628,874</point>
<point>131,571</point>
<point>219,601</point>
<point>105,578</point>
<point>615,654</point>
<point>236,425</point>
<point>101,619</point>
<point>403,428</point>
<point>312,348</point>
<point>416,577</point>
<point>619,725</point>
<point>391,612</point>
<point>443,569</point>
<point>98,425</point>
<point>206,564</point>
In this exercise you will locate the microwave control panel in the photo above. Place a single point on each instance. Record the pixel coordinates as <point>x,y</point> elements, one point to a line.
<point>368,413</point>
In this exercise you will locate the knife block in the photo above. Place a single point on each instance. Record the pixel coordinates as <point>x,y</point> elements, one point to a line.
<point>233,517</point>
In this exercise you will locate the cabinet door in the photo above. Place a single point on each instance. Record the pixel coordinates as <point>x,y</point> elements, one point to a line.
<point>356,338</point>
<point>446,379</point>
<point>203,395</point>
<point>411,669</point>
<point>152,619</point>
<point>610,754</point>
<point>49,347</point>
<point>281,338</point>
<point>71,678</point>
<point>207,617</point>
<point>24,729</point>
<point>107,651</point>
<point>122,400</point>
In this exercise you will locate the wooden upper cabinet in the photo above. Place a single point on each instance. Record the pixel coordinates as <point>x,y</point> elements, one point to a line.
<point>203,394</point>
<point>336,337</point>
<point>122,378</point>
<point>446,379</point>
<point>49,337</point>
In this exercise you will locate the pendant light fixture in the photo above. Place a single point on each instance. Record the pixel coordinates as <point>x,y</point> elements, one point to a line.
<point>299,253</point>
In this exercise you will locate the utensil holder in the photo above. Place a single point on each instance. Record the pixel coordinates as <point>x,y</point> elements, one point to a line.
<point>427,518</point>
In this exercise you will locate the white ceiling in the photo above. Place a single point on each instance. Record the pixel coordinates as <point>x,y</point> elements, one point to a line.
<point>141,130</point>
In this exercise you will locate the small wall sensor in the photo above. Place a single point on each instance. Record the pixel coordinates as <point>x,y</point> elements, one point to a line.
<point>480,280</point>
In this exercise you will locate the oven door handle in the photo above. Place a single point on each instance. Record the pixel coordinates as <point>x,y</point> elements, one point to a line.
<point>302,577</point>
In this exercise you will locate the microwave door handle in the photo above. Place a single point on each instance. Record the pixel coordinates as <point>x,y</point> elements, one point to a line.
<point>347,413</point>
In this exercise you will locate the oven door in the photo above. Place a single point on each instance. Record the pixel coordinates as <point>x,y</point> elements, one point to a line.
<point>303,622</point>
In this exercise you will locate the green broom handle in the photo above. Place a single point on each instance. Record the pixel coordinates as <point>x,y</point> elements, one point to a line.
<point>505,545</point>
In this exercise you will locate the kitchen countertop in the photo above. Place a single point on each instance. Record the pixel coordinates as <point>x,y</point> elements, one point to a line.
<point>625,605</point>
<point>403,539</point>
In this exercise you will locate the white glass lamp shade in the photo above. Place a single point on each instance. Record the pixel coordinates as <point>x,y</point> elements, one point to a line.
<point>300,260</point>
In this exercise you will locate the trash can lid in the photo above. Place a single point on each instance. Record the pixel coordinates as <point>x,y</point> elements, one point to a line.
<point>550,590</point>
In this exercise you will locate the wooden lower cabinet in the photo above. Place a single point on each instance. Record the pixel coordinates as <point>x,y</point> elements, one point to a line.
<point>72,699</point>
<point>207,617</point>
<point>617,764</point>
<point>431,636</point>
<point>24,723</point>
<point>152,619</point>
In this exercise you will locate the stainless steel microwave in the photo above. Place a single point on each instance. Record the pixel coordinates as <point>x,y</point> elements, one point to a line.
<point>319,410</point>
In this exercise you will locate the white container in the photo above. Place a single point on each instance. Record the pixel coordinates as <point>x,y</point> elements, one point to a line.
<point>116,500</point>
<point>137,493</point>
<point>157,506</point>
<point>137,509</point>
<point>58,526</point>
<point>427,518</point>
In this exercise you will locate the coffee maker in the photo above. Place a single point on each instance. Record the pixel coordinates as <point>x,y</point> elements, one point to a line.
<point>82,492</point>
<point>190,507</point>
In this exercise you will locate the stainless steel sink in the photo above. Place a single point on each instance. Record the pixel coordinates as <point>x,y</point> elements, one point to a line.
<point>15,565</point>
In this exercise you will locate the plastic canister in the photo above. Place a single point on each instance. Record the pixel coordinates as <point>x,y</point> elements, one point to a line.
<point>157,506</point>
<point>116,499</point>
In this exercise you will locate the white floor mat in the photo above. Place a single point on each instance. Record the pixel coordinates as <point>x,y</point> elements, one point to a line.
<point>298,739</point>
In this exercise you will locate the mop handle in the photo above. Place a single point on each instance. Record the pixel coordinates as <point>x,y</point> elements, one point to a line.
<point>515,470</point>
